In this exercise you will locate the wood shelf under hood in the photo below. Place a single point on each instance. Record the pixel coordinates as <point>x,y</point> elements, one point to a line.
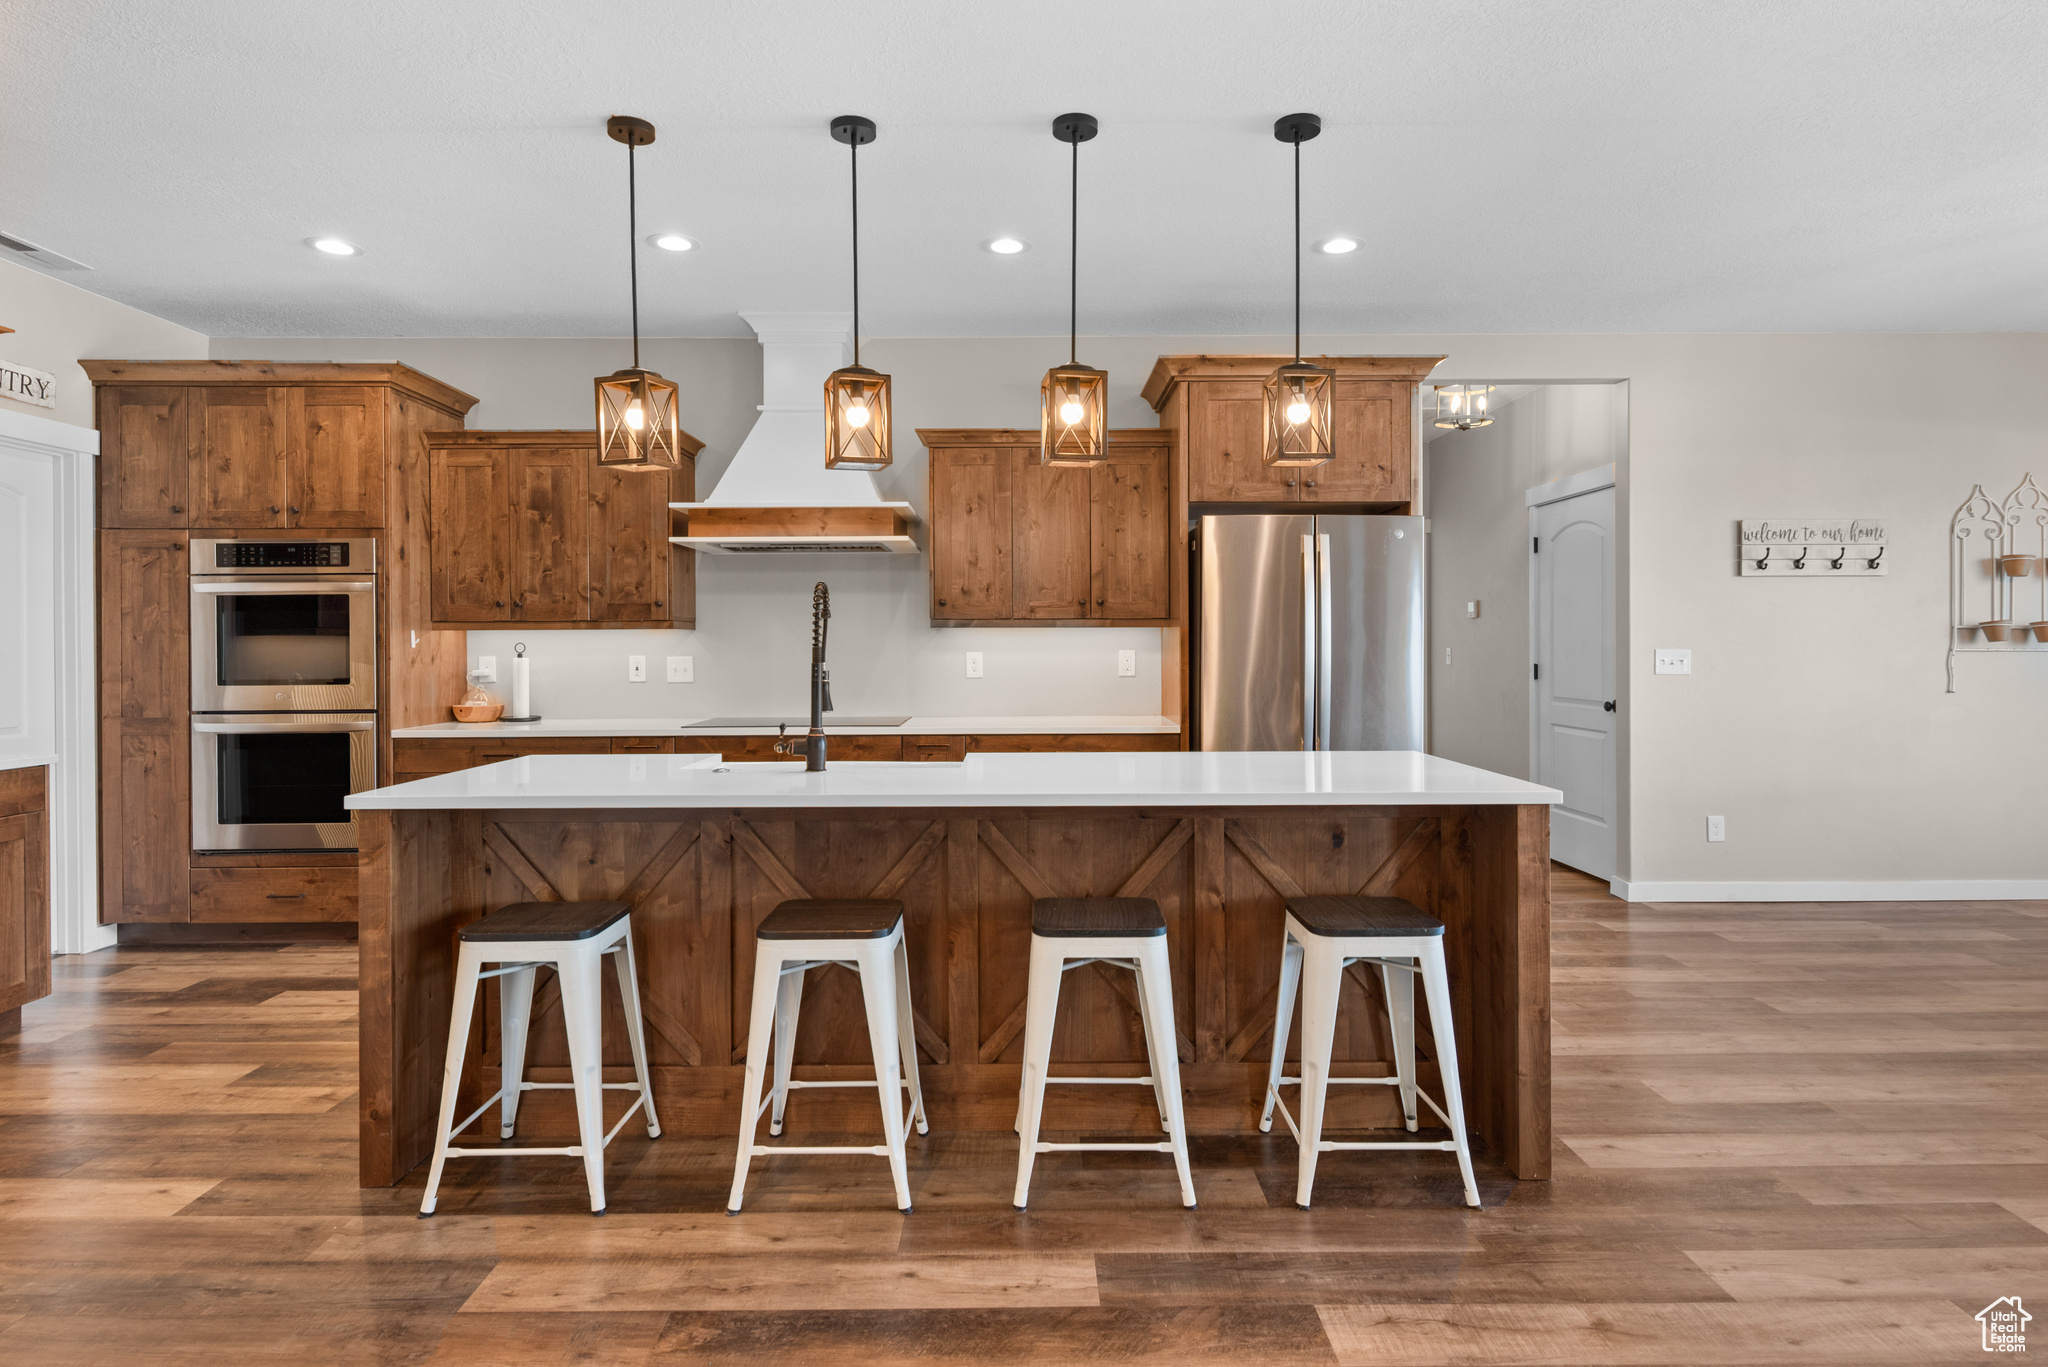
<point>882,528</point>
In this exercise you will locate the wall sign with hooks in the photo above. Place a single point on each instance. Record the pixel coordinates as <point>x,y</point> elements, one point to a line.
<point>1812,548</point>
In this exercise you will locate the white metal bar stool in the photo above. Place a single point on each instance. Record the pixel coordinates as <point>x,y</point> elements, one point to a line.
<point>1324,934</point>
<point>1123,932</point>
<point>865,935</point>
<point>574,939</point>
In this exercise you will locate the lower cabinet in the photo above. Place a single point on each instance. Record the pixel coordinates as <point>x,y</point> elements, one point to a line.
<point>425,757</point>
<point>325,893</point>
<point>24,891</point>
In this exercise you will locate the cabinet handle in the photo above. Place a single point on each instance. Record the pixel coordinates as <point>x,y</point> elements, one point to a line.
<point>1098,602</point>
<point>275,509</point>
<point>177,507</point>
<point>942,602</point>
<point>286,896</point>
<point>657,602</point>
<point>1290,484</point>
<point>1310,483</point>
<point>294,509</point>
<point>500,602</point>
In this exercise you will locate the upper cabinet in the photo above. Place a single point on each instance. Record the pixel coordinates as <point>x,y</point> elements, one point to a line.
<point>229,445</point>
<point>528,527</point>
<point>1015,542</point>
<point>1217,403</point>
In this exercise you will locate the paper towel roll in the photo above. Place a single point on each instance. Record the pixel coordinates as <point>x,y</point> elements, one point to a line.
<point>522,687</point>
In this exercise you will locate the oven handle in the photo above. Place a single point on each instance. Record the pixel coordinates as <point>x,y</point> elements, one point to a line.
<point>249,728</point>
<point>282,586</point>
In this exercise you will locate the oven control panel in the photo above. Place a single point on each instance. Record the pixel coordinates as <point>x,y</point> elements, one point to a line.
<point>280,555</point>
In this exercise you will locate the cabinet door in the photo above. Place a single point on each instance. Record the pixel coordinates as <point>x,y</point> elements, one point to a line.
<point>550,534</point>
<point>145,720</point>
<point>970,536</point>
<point>1227,443</point>
<point>1130,530</point>
<point>241,470</point>
<point>1048,540</point>
<point>1373,437</point>
<point>469,532</point>
<point>24,909</point>
<point>336,466</point>
<point>628,540</point>
<point>145,456</point>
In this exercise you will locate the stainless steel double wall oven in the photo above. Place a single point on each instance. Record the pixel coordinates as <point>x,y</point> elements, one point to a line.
<point>284,691</point>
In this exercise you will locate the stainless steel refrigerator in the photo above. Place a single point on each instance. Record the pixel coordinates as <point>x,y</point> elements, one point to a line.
<point>1308,632</point>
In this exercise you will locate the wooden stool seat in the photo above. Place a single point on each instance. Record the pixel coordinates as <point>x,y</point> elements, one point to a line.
<point>828,918</point>
<point>1092,917</point>
<point>545,921</point>
<point>1362,916</point>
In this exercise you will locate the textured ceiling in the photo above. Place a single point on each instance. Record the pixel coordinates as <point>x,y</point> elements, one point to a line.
<point>1511,166</point>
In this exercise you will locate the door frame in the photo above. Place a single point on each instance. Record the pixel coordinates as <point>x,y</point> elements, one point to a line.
<point>1557,491</point>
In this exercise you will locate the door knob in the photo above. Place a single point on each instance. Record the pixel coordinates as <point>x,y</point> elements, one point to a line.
<point>1607,707</point>
<point>177,507</point>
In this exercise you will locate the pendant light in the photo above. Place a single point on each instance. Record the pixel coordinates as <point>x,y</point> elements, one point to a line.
<point>856,398</point>
<point>1074,398</point>
<point>1463,406</point>
<point>637,426</point>
<point>1298,426</point>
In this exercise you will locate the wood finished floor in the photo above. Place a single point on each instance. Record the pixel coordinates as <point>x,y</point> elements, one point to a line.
<point>1785,1134</point>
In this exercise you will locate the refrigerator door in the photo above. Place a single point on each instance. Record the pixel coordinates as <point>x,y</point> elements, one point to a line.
<point>1253,629</point>
<point>1371,570</point>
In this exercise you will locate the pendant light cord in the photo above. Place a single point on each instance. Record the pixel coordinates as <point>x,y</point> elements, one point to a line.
<point>1074,259</point>
<point>1297,246</point>
<point>633,248</point>
<point>853,150</point>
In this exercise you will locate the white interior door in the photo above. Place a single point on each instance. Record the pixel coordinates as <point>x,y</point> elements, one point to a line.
<point>1571,640</point>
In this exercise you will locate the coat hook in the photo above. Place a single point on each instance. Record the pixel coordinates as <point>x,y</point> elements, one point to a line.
<point>1800,563</point>
<point>1764,561</point>
<point>1836,563</point>
<point>1875,558</point>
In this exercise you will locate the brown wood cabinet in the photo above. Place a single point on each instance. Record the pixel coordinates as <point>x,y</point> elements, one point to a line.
<point>423,757</point>
<point>1218,404</point>
<point>528,527</point>
<point>147,450</point>
<point>145,725</point>
<point>1014,542</point>
<point>24,891</point>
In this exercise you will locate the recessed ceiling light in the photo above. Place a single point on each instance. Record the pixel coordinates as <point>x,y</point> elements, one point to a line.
<point>334,246</point>
<point>672,242</point>
<point>1007,246</point>
<point>1337,246</point>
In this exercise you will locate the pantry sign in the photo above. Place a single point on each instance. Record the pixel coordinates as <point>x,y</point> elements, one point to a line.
<point>23,385</point>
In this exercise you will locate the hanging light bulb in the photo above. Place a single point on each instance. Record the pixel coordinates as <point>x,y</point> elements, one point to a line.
<point>856,398</point>
<point>637,424</point>
<point>1462,406</point>
<point>1074,398</point>
<point>1298,395</point>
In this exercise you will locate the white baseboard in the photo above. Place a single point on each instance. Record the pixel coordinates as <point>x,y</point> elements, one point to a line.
<point>1932,890</point>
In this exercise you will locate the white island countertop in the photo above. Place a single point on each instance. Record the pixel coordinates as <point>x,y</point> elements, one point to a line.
<point>1363,778</point>
<point>573,728</point>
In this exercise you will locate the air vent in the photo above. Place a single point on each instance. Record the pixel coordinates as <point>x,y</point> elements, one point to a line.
<point>42,256</point>
<point>801,548</point>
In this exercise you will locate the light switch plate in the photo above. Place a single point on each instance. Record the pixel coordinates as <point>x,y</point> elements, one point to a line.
<point>487,668</point>
<point>1717,828</point>
<point>973,664</point>
<point>1127,664</point>
<point>1673,661</point>
<point>682,669</point>
<point>1472,608</point>
<point>636,669</point>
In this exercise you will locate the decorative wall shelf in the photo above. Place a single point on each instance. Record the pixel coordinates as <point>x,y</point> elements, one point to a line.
<point>1812,548</point>
<point>1981,534</point>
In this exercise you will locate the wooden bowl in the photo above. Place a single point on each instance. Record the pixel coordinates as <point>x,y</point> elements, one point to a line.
<point>478,711</point>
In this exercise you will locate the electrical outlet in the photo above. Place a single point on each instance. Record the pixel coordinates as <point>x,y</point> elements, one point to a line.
<point>636,669</point>
<point>1717,828</point>
<point>1127,664</point>
<point>1447,655</point>
<point>682,669</point>
<point>1673,661</point>
<point>487,669</point>
<point>1472,608</point>
<point>973,664</point>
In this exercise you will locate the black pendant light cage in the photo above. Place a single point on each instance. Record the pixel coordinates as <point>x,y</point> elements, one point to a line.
<point>1463,406</point>
<point>856,398</point>
<point>1299,418</point>
<point>1074,398</point>
<point>637,423</point>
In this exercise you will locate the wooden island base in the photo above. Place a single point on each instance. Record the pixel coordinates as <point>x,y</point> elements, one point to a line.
<point>700,880</point>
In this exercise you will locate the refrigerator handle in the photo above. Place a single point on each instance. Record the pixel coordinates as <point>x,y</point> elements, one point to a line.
<point>1323,650</point>
<point>1310,612</point>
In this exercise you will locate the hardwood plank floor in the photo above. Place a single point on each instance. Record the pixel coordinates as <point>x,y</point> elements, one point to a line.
<point>1803,1134</point>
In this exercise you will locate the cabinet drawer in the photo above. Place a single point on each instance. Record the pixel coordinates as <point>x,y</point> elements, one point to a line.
<point>297,894</point>
<point>939,749</point>
<point>490,752</point>
<point>1072,744</point>
<point>761,749</point>
<point>643,745</point>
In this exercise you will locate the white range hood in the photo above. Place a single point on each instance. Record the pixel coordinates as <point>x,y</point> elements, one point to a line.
<point>777,497</point>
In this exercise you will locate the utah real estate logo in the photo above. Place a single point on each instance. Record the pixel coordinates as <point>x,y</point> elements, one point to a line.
<point>2005,1325</point>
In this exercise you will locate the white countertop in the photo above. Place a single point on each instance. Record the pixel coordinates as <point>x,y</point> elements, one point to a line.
<point>578,727</point>
<point>1175,778</point>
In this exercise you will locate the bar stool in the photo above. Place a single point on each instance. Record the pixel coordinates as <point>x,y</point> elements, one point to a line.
<point>1324,935</point>
<point>1123,932</point>
<point>573,938</point>
<point>867,937</point>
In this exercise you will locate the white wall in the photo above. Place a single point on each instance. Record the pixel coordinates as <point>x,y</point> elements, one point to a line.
<point>1477,483</point>
<point>1815,718</point>
<point>55,323</point>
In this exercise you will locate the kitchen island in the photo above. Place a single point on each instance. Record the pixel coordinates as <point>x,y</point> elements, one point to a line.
<point>703,850</point>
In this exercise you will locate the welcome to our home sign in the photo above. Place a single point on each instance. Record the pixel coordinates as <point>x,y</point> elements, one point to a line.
<point>1812,548</point>
<point>23,385</point>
